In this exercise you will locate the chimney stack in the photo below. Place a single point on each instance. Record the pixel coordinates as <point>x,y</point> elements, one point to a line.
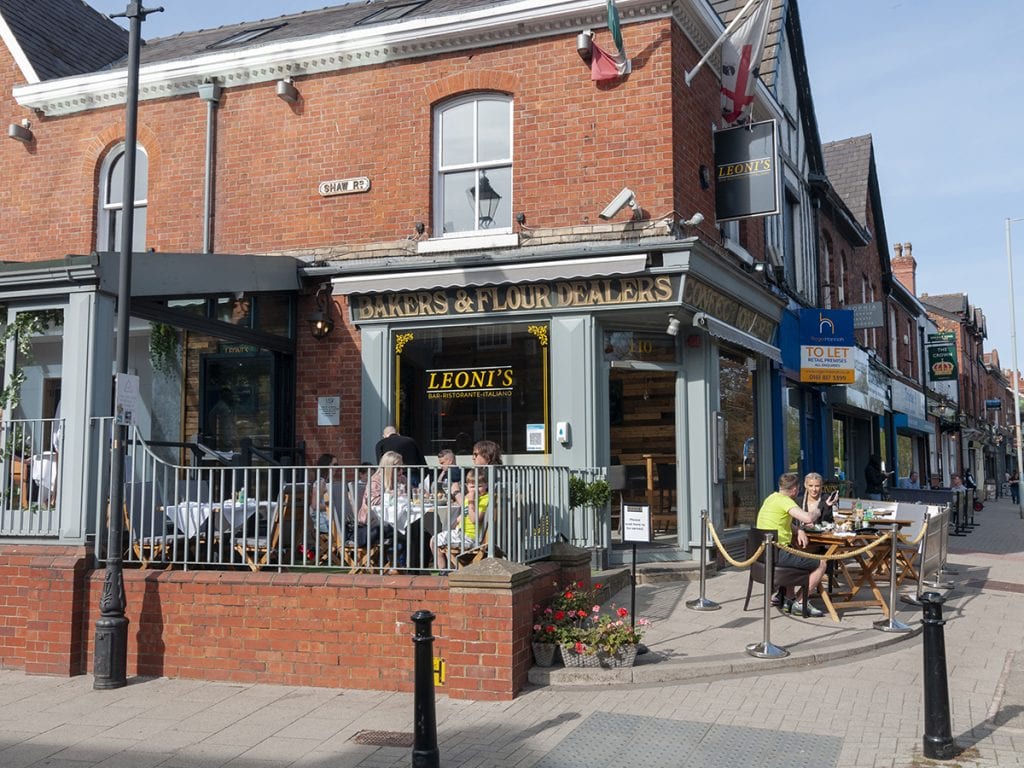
<point>904,267</point>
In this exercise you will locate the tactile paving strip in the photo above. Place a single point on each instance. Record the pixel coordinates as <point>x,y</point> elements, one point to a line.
<point>604,740</point>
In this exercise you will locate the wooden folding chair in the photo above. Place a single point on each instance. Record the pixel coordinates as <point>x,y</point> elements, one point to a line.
<point>257,550</point>
<point>152,538</point>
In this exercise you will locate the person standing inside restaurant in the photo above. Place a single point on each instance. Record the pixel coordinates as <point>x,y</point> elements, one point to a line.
<point>780,512</point>
<point>822,509</point>
<point>874,478</point>
<point>405,447</point>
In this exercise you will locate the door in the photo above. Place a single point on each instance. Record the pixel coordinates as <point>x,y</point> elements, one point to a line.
<point>642,431</point>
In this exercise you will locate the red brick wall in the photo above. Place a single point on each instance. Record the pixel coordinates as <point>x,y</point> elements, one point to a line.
<point>41,612</point>
<point>576,144</point>
<point>333,630</point>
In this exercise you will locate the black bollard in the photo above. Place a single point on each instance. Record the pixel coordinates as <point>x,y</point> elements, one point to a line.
<point>938,738</point>
<point>424,745</point>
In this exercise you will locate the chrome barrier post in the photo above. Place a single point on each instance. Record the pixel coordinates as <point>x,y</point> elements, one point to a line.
<point>702,603</point>
<point>937,741</point>
<point>892,624</point>
<point>765,649</point>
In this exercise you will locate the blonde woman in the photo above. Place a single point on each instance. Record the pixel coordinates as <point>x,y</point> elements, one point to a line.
<point>821,510</point>
<point>387,479</point>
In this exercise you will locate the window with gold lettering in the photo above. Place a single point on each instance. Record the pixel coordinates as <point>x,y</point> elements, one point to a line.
<point>455,385</point>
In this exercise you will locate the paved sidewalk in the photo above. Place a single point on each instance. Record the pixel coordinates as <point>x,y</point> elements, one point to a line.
<point>842,698</point>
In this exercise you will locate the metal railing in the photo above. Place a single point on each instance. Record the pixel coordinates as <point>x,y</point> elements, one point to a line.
<point>30,477</point>
<point>315,517</point>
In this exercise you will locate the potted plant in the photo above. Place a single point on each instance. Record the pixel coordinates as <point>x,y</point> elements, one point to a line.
<point>544,640</point>
<point>615,638</point>
<point>593,495</point>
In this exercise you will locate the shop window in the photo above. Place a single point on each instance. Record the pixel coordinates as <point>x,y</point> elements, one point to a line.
<point>456,386</point>
<point>739,414</point>
<point>473,165</point>
<point>111,197</point>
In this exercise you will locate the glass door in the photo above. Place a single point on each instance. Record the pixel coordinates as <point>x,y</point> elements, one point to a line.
<point>642,427</point>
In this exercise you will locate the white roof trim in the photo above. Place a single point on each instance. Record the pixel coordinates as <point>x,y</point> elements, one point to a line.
<point>16,51</point>
<point>362,46</point>
<point>494,274</point>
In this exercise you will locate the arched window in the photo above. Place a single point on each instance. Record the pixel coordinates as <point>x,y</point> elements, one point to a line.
<point>111,201</point>
<point>473,165</point>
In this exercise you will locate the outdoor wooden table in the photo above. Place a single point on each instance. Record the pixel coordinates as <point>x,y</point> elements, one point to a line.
<point>836,597</point>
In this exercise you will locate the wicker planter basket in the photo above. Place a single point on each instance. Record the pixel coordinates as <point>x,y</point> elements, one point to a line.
<point>544,654</point>
<point>572,659</point>
<point>624,657</point>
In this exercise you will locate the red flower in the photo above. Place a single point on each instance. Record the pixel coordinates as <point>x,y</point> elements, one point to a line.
<point>623,612</point>
<point>559,615</point>
<point>568,595</point>
<point>580,647</point>
<point>597,586</point>
<point>582,614</point>
<point>550,628</point>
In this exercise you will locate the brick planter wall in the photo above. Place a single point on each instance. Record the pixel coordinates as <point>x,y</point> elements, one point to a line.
<point>323,629</point>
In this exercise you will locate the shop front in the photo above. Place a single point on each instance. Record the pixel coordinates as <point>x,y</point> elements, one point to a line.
<point>658,361</point>
<point>915,435</point>
<point>858,421</point>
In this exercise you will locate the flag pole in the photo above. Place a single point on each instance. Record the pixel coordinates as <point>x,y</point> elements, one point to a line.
<point>721,38</point>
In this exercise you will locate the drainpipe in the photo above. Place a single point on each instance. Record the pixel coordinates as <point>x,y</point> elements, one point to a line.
<point>210,93</point>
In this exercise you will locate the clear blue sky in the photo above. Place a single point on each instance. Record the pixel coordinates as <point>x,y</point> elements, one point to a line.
<point>938,83</point>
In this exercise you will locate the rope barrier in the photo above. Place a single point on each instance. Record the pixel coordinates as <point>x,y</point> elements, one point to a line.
<point>843,556</point>
<point>801,552</point>
<point>727,556</point>
<point>920,535</point>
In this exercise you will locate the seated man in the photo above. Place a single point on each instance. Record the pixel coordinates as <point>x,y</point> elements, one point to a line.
<point>911,481</point>
<point>780,512</point>
<point>464,534</point>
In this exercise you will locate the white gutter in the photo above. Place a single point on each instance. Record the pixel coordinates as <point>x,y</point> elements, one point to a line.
<point>339,50</point>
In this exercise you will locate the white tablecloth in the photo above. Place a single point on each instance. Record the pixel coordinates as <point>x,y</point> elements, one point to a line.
<point>191,518</point>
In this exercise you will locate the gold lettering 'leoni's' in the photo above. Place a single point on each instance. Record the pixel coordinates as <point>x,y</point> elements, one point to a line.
<point>470,379</point>
<point>526,297</point>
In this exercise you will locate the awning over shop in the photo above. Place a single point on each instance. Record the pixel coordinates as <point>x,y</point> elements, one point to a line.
<point>726,332</point>
<point>911,423</point>
<point>492,274</point>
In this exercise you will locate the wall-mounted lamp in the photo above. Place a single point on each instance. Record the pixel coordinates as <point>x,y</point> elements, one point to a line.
<point>22,133</point>
<point>320,322</point>
<point>694,221</point>
<point>287,90</point>
<point>673,326</point>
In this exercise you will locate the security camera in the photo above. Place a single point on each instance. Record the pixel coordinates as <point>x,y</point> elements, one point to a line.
<point>624,198</point>
<point>694,221</point>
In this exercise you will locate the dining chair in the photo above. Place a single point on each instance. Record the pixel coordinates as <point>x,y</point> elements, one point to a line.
<point>152,537</point>
<point>781,575</point>
<point>344,547</point>
<point>277,544</point>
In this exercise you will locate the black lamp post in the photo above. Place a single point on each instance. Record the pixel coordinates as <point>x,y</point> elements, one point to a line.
<point>110,659</point>
<point>486,202</point>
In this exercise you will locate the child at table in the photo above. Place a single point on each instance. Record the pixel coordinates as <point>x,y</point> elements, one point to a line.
<point>319,491</point>
<point>464,534</point>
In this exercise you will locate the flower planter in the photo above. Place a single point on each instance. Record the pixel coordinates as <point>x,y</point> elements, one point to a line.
<point>572,659</point>
<point>544,654</point>
<point>624,657</point>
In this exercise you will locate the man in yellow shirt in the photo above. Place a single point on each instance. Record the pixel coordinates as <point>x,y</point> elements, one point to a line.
<point>780,512</point>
